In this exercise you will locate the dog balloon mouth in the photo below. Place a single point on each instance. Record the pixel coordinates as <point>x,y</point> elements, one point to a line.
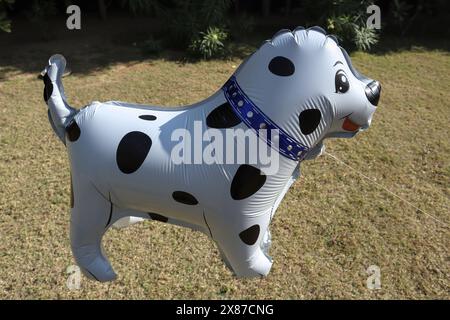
<point>349,125</point>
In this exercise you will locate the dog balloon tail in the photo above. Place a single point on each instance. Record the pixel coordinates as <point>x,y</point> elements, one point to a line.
<point>59,111</point>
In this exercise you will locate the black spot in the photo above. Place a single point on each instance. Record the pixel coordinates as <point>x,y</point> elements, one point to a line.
<point>184,197</point>
<point>281,66</point>
<point>132,151</point>
<point>222,117</point>
<point>158,217</point>
<point>247,181</point>
<point>73,131</point>
<point>110,211</point>
<point>309,120</point>
<point>71,192</point>
<point>250,235</point>
<point>148,117</point>
<point>48,89</point>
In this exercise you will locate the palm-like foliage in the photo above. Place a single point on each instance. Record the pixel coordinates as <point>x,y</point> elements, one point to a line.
<point>187,18</point>
<point>210,43</point>
<point>348,22</point>
<point>364,38</point>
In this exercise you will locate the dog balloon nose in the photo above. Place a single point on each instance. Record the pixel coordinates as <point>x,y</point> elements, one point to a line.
<point>373,90</point>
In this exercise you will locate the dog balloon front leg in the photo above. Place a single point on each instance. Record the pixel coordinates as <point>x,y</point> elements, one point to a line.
<point>240,244</point>
<point>91,216</point>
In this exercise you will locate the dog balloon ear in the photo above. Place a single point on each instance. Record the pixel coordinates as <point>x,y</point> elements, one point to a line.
<point>318,29</point>
<point>334,38</point>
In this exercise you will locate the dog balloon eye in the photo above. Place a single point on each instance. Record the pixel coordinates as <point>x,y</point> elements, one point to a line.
<point>341,82</point>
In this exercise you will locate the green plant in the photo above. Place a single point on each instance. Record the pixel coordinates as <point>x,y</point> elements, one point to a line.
<point>342,26</point>
<point>209,44</point>
<point>5,22</point>
<point>348,22</point>
<point>346,19</point>
<point>185,19</point>
<point>364,38</point>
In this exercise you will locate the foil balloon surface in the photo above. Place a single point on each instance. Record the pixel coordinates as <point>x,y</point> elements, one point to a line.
<point>131,162</point>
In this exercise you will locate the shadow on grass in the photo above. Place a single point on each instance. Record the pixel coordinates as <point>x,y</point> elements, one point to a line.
<point>102,44</point>
<point>97,46</point>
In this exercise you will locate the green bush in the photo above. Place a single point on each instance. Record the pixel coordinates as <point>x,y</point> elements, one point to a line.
<point>185,19</point>
<point>350,33</point>
<point>365,38</point>
<point>342,26</point>
<point>209,44</point>
<point>5,23</point>
<point>346,19</point>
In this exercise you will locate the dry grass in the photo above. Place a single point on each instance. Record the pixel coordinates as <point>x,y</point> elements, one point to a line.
<point>330,228</point>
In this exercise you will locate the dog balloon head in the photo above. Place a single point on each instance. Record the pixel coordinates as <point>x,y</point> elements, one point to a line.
<point>305,83</point>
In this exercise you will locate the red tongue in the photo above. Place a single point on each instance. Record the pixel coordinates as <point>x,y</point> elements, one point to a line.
<point>349,125</point>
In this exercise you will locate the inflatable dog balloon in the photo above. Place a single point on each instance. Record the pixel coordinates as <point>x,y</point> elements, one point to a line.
<point>300,84</point>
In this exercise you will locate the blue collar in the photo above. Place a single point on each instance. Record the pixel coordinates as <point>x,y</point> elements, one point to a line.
<point>253,117</point>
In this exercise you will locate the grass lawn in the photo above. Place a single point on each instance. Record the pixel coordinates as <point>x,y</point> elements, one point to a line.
<point>331,226</point>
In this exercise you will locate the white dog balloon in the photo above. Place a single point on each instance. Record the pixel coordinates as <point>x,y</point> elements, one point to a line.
<point>300,83</point>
